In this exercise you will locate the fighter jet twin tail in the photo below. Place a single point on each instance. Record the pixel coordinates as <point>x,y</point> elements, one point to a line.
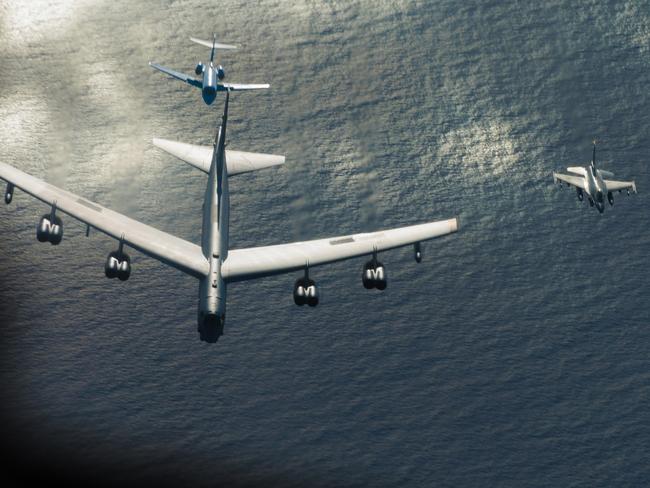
<point>212,262</point>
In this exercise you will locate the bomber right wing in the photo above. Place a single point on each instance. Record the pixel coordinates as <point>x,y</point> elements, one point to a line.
<point>178,75</point>
<point>576,181</point>
<point>256,262</point>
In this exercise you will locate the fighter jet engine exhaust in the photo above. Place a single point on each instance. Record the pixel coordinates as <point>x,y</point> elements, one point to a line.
<point>610,198</point>
<point>50,228</point>
<point>305,291</point>
<point>9,194</point>
<point>581,195</point>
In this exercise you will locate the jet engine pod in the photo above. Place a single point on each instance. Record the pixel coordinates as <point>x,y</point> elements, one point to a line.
<point>610,198</point>
<point>312,293</point>
<point>118,265</point>
<point>221,73</point>
<point>199,69</point>
<point>368,275</point>
<point>305,292</point>
<point>381,280</point>
<point>374,275</point>
<point>50,231</point>
<point>581,196</point>
<point>9,194</point>
<point>299,292</point>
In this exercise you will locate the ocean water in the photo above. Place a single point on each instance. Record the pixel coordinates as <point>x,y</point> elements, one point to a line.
<point>515,354</point>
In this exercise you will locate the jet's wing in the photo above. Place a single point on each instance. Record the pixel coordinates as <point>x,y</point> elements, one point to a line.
<point>201,157</point>
<point>210,44</point>
<point>620,185</point>
<point>164,247</point>
<point>178,75</point>
<point>241,86</point>
<point>571,180</point>
<point>256,262</point>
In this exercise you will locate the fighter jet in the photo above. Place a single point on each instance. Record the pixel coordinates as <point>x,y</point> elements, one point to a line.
<point>211,76</point>
<point>213,263</point>
<point>592,182</point>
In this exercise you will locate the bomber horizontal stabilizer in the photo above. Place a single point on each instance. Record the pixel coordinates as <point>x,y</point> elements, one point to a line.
<point>201,157</point>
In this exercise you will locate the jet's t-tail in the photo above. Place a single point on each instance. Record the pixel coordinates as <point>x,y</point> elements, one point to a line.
<point>210,44</point>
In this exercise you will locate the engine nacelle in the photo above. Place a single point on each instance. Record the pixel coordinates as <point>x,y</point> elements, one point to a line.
<point>305,292</point>
<point>9,193</point>
<point>374,276</point>
<point>610,198</point>
<point>118,265</point>
<point>581,196</point>
<point>199,69</point>
<point>48,230</point>
<point>221,73</point>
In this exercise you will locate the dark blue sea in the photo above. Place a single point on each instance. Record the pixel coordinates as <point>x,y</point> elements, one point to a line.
<point>516,354</point>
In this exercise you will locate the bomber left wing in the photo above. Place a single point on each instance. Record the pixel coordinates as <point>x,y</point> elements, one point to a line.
<point>169,249</point>
<point>256,262</point>
<point>576,181</point>
<point>178,75</point>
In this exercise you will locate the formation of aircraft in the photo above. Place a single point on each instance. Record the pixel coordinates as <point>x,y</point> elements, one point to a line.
<point>591,181</point>
<point>212,262</point>
<point>212,76</point>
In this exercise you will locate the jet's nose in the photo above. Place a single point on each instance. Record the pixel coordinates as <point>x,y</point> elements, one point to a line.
<point>210,327</point>
<point>209,94</point>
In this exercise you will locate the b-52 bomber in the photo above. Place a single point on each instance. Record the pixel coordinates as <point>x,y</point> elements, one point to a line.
<point>212,76</point>
<point>592,182</point>
<point>213,263</point>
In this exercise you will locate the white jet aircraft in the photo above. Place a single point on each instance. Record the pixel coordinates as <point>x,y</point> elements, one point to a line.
<point>213,263</point>
<point>592,182</point>
<point>211,76</point>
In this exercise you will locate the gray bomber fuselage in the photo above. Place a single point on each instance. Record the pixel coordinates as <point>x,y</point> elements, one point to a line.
<point>214,240</point>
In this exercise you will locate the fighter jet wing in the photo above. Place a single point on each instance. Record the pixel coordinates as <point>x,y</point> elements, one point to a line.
<point>256,262</point>
<point>164,247</point>
<point>178,75</point>
<point>571,180</point>
<point>241,86</point>
<point>620,185</point>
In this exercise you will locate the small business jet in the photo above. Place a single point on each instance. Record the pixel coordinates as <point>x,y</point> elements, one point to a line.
<point>212,76</point>
<point>213,263</point>
<point>592,182</point>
